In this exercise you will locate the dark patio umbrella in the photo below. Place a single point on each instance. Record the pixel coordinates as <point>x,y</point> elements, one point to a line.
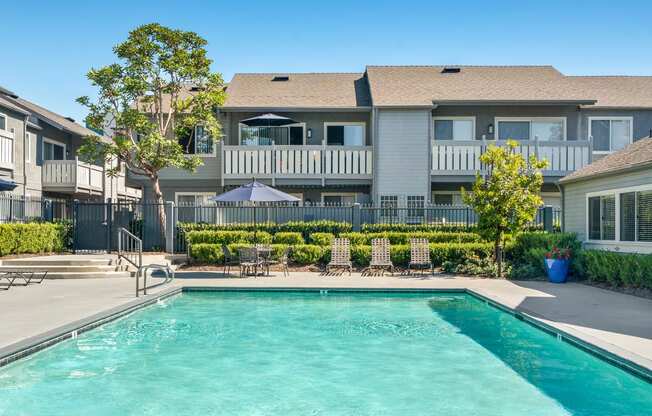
<point>7,185</point>
<point>254,192</point>
<point>268,120</point>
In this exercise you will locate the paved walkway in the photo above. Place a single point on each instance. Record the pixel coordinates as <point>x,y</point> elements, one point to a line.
<point>619,323</point>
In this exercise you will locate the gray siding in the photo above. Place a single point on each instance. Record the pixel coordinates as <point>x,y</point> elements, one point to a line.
<point>210,170</point>
<point>575,204</point>
<point>485,115</point>
<point>402,154</point>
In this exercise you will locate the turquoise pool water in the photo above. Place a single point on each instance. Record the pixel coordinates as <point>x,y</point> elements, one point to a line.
<point>217,353</point>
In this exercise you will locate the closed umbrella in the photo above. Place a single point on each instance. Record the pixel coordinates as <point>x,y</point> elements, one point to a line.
<point>254,192</point>
<point>7,185</point>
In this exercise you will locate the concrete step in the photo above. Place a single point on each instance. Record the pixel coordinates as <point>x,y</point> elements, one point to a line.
<point>36,266</point>
<point>41,261</point>
<point>87,275</point>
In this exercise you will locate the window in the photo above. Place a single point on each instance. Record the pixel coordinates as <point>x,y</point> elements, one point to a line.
<point>199,143</point>
<point>602,217</point>
<point>388,205</point>
<point>3,122</point>
<point>53,150</point>
<point>544,129</point>
<point>267,136</point>
<point>28,147</point>
<point>454,128</point>
<point>610,133</point>
<point>344,134</point>
<point>636,216</point>
<point>338,198</point>
<point>194,206</point>
<point>442,199</point>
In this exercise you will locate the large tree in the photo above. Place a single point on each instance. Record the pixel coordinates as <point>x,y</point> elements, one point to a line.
<point>160,89</point>
<point>507,198</point>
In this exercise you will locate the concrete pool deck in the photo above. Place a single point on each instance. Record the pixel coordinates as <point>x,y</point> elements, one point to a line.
<point>617,323</point>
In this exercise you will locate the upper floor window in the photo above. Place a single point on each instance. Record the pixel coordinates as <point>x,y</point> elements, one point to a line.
<point>278,135</point>
<point>454,128</point>
<point>53,150</point>
<point>199,143</point>
<point>3,122</point>
<point>610,133</point>
<point>528,128</point>
<point>344,134</point>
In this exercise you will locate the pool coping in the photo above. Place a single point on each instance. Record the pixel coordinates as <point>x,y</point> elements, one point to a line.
<point>627,361</point>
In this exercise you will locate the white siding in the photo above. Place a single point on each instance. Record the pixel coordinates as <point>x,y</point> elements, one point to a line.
<point>402,153</point>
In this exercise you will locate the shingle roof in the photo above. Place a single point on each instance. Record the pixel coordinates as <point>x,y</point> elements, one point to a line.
<point>8,104</point>
<point>617,91</point>
<point>423,85</point>
<point>636,155</point>
<point>54,118</point>
<point>310,90</point>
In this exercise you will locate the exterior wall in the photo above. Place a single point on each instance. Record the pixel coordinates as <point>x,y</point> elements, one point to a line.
<point>210,170</point>
<point>575,206</point>
<point>402,154</point>
<point>485,115</point>
<point>642,121</point>
<point>314,121</point>
<point>15,124</point>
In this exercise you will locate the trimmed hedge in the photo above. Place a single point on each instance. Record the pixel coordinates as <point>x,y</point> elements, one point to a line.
<point>289,238</point>
<point>322,239</point>
<point>526,252</point>
<point>396,237</point>
<point>360,255</point>
<point>411,228</point>
<point>304,227</point>
<point>617,269</point>
<point>33,238</point>
<point>228,237</point>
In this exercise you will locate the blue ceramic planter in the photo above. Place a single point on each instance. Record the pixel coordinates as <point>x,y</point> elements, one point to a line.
<point>557,270</point>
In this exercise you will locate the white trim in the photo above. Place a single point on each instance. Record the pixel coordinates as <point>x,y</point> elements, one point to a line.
<point>6,122</point>
<point>54,142</point>
<point>530,120</point>
<point>454,118</point>
<point>610,119</point>
<point>616,194</point>
<point>344,123</point>
<point>302,124</point>
<point>178,194</point>
<point>353,194</point>
<point>28,147</point>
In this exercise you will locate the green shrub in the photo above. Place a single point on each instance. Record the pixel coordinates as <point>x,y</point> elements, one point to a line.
<point>396,237</point>
<point>304,227</point>
<point>33,238</point>
<point>411,228</point>
<point>228,237</point>
<point>208,253</point>
<point>307,254</point>
<point>473,266</point>
<point>289,238</point>
<point>322,239</point>
<point>440,253</point>
<point>617,269</point>
<point>526,252</point>
<point>361,255</point>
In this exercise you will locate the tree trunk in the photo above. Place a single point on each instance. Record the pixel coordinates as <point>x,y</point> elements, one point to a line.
<point>160,205</point>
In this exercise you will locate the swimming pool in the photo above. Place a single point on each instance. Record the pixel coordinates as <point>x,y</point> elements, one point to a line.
<point>306,353</point>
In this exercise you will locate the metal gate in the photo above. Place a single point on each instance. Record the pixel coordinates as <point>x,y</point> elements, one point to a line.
<point>96,225</point>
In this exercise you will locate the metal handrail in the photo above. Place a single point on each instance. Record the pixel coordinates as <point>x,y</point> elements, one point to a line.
<point>130,248</point>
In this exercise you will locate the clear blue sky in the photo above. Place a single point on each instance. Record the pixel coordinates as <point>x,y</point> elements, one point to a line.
<point>49,46</point>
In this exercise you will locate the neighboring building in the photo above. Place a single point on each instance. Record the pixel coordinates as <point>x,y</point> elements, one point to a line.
<point>38,151</point>
<point>409,135</point>
<point>609,202</point>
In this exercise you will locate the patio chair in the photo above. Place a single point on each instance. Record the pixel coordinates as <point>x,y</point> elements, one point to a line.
<point>419,255</point>
<point>380,256</point>
<point>229,260</point>
<point>249,260</point>
<point>340,255</point>
<point>10,277</point>
<point>283,261</point>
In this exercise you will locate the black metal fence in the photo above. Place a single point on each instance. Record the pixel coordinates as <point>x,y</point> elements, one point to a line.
<point>17,208</point>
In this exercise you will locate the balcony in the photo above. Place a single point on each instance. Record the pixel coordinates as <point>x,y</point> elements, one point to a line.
<point>463,157</point>
<point>6,150</point>
<point>72,177</point>
<point>298,162</point>
<point>127,192</point>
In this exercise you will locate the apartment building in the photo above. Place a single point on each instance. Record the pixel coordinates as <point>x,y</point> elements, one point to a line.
<point>38,152</point>
<point>408,135</point>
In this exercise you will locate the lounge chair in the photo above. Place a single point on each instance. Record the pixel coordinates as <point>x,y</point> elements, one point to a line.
<point>420,255</point>
<point>26,276</point>
<point>249,260</point>
<point>380,256</point>
<point>340,255</point>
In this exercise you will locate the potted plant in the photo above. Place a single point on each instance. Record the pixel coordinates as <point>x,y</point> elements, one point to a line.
<point>557,263</point>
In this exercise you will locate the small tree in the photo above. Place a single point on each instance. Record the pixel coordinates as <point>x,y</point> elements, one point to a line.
<point>507,199</point>
<point>161,89</point>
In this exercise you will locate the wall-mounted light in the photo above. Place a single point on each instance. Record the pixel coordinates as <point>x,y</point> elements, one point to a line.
<point>309,134</point>
<point>490,128</point>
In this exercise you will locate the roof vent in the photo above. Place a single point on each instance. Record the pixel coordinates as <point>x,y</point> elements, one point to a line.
<point>280,78</point>
<point>70,119</point>
<point>451,70</point>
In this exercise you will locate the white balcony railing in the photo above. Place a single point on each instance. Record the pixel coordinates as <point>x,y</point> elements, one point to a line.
<point>463,157</point>
<point>71,175</point>
<point>6,150</point>
<point>127,191</point>
<point>296,161</point>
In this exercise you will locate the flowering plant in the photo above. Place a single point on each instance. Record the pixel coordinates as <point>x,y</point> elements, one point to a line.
<point>557,253</point>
